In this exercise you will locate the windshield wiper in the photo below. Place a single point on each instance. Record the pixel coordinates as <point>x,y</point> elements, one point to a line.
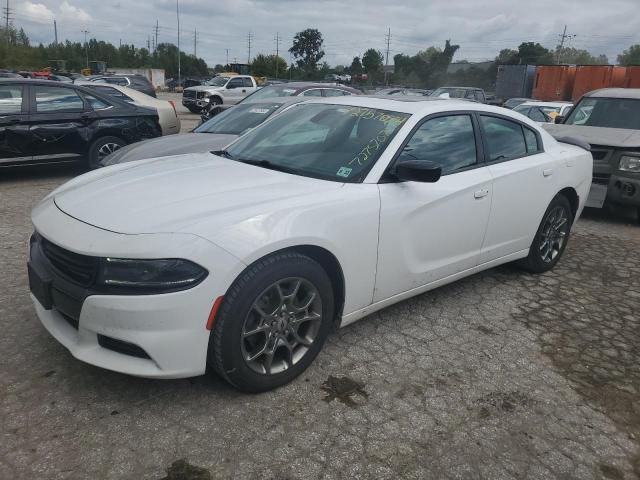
<point>223,153</point>
<point>269,165</point>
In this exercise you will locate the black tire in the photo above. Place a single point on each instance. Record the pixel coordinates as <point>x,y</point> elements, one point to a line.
<point>214,101</point>
<point>226,344</point>
<point>538,261</point>
<point>98,149</point>
<point>194,110</point>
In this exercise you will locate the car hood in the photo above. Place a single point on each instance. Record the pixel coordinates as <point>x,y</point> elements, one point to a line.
<point>613,137</point>
<point>205,88</point>
<point>169,145</point>
<point>176,194</point>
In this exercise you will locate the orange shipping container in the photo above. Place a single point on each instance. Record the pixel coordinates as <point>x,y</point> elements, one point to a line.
<point>553,82</point>
<point>593,77</point>
<point>632,77</point>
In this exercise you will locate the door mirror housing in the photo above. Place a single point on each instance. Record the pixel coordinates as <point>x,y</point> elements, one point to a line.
<point>418,171</point>
<point>558,119</point>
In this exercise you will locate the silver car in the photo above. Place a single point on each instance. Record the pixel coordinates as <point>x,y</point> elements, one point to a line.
<point>213,134</point>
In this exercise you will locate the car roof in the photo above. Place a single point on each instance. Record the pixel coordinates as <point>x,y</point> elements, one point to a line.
<point>544,104</point>
<point>410,105</point>
<point>632,93</point>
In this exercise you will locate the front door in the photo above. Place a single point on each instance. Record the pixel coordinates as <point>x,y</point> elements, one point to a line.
<point>58,124</point>
<point>236,90</point>
<point>429,231</point>
<point>15,145</point>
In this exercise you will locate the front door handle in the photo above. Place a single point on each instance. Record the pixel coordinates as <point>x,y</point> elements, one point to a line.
<point>481,193</point>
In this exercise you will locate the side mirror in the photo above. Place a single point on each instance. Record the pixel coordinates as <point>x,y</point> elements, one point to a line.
<point>559,119</point>
<point>418,171</point>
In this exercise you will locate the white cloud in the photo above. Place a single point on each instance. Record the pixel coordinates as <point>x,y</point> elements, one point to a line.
<point>68,11</point>
<point>34,11</point>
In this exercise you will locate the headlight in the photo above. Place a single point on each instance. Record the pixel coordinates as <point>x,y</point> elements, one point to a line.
<point>629,164</point>
<point>149,276</point>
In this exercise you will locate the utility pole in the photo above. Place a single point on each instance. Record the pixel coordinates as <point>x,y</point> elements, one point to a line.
<point>278,40</point>
<point>249,38</point>
<point>55,31</point>
<point>227,50</point>
<point>155,45</point>
<point>563,36</point>
<point>386,62</point>
<point>7,16</point>
<point>178,17</point>
<point>195,42</point>
<point>149,42</point>
<point>86,46</point>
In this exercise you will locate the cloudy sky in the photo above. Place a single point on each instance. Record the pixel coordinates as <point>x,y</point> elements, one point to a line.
<point>349,27</point>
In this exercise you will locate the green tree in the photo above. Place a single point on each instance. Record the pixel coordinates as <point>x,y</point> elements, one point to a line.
<point>631,56</point>
<point>356,66</point>
<point>307,50</point>
<point>372,61</point>
<point>579,57</point>
<point>508,56</point>
<point>268,66</point>
<point>530,53</point>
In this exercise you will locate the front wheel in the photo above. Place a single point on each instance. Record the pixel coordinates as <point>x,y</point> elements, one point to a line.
<point>551,238</point>
<point>272,323</point>
<point>101,148</point>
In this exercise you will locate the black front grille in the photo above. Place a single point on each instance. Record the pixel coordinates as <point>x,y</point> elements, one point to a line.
<point>189,94</point>
<point>599,154</point>
<point>120,346</point>
<point>601,178</point>
<point>80,269</point>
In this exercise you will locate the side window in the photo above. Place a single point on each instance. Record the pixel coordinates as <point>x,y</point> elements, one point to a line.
<point>449,141</point>
<point>330,92</point>
<point>235,83</point>
<point>479,96</point>
<point>316,92</point>
<point>536,115</point>
<point>96,103</point>
<point>531,139</point>
<point>247,82</point>
<point>470,95</point>
<point>504,138</point>
<point>112,92</point>
<point>57,99</point>
<point>117,81</point>
<point>10,99</point>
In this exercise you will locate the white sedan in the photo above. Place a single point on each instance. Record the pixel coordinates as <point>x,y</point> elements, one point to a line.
<point>245,259</point>
<point>167,114</point>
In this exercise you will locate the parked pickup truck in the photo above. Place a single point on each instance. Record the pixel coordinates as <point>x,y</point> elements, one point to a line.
<point>609,120</point>
<point>219,90</point>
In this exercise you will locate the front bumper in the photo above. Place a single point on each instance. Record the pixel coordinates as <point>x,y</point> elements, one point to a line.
<point>195,102</point>
<point>624,189</point>
<point>155,336</point>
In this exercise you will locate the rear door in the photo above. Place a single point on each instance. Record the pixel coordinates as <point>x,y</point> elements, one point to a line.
<point>15,144</point>
<point>58,123</point>
<point>523,184</point>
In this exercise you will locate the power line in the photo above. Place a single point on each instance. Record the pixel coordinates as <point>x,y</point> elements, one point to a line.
<point>386,62</point>
<point>7,16</point>
<point>156,28</point>
<point>86,45</point>
<point>277,40</point>
<point>563,36</point>
<point>249,39</point>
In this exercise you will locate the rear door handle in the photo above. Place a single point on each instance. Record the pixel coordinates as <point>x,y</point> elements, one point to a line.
<point>547,172</point>
<point>481,193</point>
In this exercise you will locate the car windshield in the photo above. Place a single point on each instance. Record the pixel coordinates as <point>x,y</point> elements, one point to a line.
<point>238,119</point>
<point>606,112</point>
<point>217,81</point>
<point>271,91</point>
<point>513,102</point>
<point>332,142</point>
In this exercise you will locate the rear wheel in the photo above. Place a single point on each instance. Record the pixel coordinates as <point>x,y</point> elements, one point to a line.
<point>551,238</point>
<point>272,323</point>
<point>101,148</point>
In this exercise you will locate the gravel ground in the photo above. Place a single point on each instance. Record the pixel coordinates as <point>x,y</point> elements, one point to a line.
<point>503,375</point>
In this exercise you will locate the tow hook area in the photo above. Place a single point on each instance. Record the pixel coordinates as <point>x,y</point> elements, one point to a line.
<point>626,189</point>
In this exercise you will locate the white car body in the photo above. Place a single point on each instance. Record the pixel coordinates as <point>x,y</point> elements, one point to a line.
<point>167,115</point>
<point>391,240</point>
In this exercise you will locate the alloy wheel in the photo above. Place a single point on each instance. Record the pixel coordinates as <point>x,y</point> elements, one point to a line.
<point>281,325</point>
<point>107,149</point>
<point>553,234</point>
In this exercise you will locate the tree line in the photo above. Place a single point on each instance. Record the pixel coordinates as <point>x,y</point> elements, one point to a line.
<point>428,68</point>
